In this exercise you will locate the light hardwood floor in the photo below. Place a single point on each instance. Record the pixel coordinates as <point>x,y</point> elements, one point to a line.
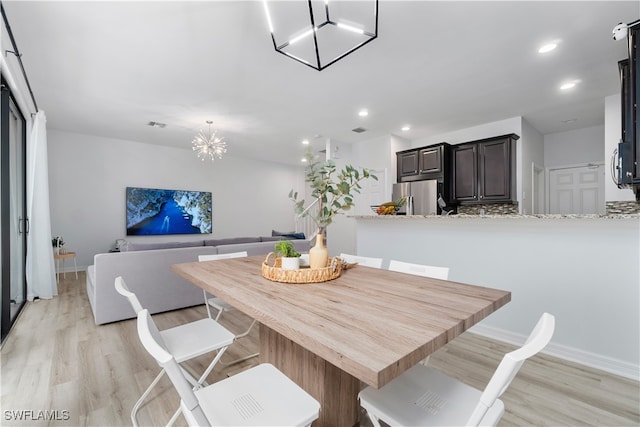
<point>56,358</point>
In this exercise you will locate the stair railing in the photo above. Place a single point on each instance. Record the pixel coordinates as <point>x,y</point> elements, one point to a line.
<point>304,223</point>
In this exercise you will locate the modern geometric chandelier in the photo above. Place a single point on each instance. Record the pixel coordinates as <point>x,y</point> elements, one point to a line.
<point>319,33</point>
<point>209,146</point>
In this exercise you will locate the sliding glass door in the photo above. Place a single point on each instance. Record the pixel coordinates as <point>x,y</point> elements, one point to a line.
<point>14,224</point>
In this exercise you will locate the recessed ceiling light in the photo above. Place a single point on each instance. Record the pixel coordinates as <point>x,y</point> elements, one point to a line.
<point>363,113</point>
<point>568,121</point>
<point>547,47</point>
<point>406,128</point>
<point>157,124</point>
<point>303,160</point>
<point>305,142</point>
<point>568,85</point>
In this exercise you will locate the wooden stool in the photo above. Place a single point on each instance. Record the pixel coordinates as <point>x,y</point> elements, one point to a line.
<point>63,256</point>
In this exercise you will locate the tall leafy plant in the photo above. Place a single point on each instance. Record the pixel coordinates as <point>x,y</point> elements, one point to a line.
<point>334,189</point>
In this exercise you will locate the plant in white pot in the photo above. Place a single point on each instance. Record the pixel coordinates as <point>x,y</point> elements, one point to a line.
<point>290,258</point>
<point>334,191</point>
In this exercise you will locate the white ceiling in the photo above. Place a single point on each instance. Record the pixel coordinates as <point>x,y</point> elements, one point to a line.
<point>108,68</point>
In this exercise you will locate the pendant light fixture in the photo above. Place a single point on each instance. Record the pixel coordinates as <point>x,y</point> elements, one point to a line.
<point>209,146</point>
<point>319,33</point>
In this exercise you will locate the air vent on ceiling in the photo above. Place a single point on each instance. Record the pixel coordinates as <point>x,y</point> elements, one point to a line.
<point>358,130</point>
<point>156,124</point>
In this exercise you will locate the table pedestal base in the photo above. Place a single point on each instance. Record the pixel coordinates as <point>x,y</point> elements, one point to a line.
<point>336,390</point>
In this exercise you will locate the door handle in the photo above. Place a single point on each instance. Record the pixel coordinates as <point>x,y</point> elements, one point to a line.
<point>27,226</point>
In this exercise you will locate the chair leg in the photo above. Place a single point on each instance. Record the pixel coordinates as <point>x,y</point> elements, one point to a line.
<point>425,361</point>
<point>211,365</point>
<point>174,417</point>
<point>374,419</point>
<point>206,303</point>
<point>136,407</point>
<point>242,359</point>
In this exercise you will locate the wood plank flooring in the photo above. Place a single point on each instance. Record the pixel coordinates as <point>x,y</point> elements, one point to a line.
<point>57,359</point>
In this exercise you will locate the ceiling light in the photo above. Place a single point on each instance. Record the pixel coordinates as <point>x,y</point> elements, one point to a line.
<point>303,160</point>
<point>324,25</point>
<point>209,146</point>
<point>568,85</point>
<point>157,125</point>
<point>547,48</point>
<point>363,113</point>
<point>305,142</point>
<point>406,128</point>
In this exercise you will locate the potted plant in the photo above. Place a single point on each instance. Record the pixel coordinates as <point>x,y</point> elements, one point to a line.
<point>57,243</point>
<point>290,258</point>
<point>334,191</point>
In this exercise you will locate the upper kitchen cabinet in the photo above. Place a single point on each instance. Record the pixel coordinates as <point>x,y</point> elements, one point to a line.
<point>423,163</point>
<point>484,171</point>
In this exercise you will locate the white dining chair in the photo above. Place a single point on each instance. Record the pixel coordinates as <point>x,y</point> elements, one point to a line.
<point>259,396</point>
<point>423,396</point>
<point>419,269</point>
<point>185,342</point>
<point>362,260</point>
<point>221,306</point>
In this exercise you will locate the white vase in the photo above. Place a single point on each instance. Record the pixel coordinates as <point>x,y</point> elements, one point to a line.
<point>290,263</point>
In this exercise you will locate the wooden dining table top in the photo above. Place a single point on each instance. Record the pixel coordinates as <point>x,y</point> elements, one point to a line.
<point>372,323</point>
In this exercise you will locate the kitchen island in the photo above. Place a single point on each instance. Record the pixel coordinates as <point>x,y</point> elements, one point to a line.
<point>584,269</point>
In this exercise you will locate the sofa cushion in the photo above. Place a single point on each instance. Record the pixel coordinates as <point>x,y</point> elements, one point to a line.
<point>231,241</point>
<point>273,238</point>
<point>131,246</point>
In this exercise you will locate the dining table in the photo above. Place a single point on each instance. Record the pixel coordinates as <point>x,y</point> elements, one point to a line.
<point>366,326</point>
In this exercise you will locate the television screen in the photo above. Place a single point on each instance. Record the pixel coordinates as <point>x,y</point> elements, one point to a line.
<point>152,211</point>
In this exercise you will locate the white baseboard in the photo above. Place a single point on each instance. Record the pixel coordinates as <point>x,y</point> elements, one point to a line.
<point>593,360</point>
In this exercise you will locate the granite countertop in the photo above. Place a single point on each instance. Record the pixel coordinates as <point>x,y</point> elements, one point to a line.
<point>464,216</point>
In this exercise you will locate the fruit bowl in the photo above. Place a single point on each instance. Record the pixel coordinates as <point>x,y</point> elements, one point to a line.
<point>386,209</point>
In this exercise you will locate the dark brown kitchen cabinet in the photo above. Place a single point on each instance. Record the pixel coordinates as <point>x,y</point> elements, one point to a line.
<point>484,171</point>
<point>423,163</point>
<point>407,164</point>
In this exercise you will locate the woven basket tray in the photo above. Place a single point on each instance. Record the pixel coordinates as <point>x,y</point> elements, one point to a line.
<point>303,275</point>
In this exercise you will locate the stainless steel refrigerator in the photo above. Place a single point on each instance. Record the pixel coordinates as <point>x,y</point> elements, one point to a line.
<point>422,197</point>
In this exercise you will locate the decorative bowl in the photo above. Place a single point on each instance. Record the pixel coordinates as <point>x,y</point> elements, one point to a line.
<point>391,209</point>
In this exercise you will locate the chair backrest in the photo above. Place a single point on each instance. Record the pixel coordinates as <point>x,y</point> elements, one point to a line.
<point>419,269</point>
<point>123,290</point>
<point>362,260</point>
<point>216,257</point>
<point>510,365</point>
<point>152,342</point>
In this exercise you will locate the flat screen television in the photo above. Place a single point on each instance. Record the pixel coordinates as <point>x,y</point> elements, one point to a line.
<point>152,211</point>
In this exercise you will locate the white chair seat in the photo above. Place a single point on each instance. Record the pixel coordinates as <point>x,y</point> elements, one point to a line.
<point>196,338</point>
<point>261,396</point>
<point>416,397</point>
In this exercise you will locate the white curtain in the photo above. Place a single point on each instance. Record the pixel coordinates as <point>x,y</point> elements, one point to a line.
<point>41,276</point>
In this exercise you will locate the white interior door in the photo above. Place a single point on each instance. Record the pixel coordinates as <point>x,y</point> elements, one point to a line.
<point>577,190</point>
<point>372,193</point>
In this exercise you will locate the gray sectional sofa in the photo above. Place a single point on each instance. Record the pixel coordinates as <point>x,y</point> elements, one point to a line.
<point>146,268</point>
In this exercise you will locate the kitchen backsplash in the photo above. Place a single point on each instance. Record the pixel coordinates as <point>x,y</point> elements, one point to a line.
<point>626,207</point>
<point>489,209</point>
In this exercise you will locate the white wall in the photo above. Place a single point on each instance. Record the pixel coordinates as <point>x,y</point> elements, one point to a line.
<point>612,134</point>
<point>88,176</point>
<point>575,147</point>
<point>531,149</point>
<point>584,271</point>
